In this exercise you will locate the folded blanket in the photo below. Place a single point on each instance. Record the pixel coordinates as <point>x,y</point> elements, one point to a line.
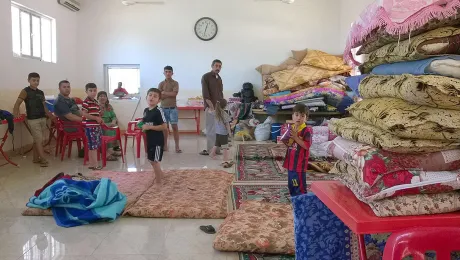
<point>354,81</point>
<point>428,90</point>
<point>333,96</point>
<point>419,67</point>
<point>76,203</point>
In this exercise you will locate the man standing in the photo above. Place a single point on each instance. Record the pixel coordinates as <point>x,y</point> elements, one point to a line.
<point>169,89</point>
<point>65,107</point>
<point>212,88</point>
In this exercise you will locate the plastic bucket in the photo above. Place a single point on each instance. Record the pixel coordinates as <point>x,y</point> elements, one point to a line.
<point>276,130</point>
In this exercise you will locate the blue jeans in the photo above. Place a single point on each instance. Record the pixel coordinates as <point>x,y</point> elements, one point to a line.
<point>297,183</point>
<point>171,115</point>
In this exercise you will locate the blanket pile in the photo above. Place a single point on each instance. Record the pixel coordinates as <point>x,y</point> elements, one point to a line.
<point>77,203</point>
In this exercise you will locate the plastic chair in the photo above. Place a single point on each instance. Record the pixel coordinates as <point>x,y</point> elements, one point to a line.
<point>137,134</point>
<point>68,137</point>
<point>416,242</point>
<point>107,139</point>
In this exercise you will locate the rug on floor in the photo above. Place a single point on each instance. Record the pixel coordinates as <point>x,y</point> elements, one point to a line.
<point>266,193</point>
<point>262,151</point>
<point>132,184</point>
<point>186,194</point>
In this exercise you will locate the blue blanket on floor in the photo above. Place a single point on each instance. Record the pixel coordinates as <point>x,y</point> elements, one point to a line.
<point>76,203</point>
<point>418,67</point>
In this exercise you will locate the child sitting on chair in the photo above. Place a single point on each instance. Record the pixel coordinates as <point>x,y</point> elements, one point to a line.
<point>296,161</point>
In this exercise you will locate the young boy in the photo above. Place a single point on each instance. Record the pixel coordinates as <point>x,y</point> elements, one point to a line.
<point>92,113</point>
<point>296,161</point>
<point>154,125</point>
<point>36,115</point>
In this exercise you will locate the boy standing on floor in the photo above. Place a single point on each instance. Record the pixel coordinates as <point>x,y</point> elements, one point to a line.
<point>92,113</point>
<point>169,89</point>
<point>296,160</point>
<point>154,123</point>
<point>36,115</point>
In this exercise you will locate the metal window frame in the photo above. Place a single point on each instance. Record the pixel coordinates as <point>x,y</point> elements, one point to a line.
<point>107,67</point>
<point>32,13</point>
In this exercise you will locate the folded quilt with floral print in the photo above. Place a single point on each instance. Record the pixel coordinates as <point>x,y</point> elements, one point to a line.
<point>407,120</point>
<point>333,96</point>
<point>196,193</point>
<point>397,183</point>
<point>427,90</point>
<point>352,129</point>
<point>258,227</point>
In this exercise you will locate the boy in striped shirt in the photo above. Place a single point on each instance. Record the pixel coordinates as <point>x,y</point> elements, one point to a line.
<point>296,161</point>
<point>92,113</point>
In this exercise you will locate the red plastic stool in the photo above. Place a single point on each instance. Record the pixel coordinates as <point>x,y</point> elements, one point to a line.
<point>416,242</point>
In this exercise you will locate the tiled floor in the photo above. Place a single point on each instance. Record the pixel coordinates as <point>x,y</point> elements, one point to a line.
<point>39,238</point>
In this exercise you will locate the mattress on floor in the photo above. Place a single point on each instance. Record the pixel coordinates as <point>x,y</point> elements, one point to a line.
<point>193,193</point>
<point>132,184</point>
<point>258,227</point>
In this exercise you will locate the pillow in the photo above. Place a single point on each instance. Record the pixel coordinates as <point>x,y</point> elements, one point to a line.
<point>352,129</point>
<point>258,227</point>
<point>397,183</point>
<point>324,60</point>
<point>290,62</point>
<point>448,68</point>
<point>266,69</point>
<point>299,55</point>
<point>270,85</point>
<point>441,41</point>
<point>428,90</point>
<point>408,121</point>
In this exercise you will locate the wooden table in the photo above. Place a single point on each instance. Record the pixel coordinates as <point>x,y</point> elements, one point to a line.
<point>359,217</point>
<point>20,119</point>
<point>197,117</point>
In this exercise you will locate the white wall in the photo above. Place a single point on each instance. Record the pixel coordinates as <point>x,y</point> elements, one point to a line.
<point>14,71</point>
<point>250,33</point>
<point>349,12</point>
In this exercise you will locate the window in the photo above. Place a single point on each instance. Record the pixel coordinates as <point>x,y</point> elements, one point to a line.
<point>128,75</point>
<point>34,34</point>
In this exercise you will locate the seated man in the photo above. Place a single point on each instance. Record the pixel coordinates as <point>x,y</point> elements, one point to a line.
<point>65,107</point>
<point>120,92</point>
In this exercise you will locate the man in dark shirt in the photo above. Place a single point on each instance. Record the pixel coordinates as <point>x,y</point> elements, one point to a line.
<point>212,88</point>
<point>65,107</point>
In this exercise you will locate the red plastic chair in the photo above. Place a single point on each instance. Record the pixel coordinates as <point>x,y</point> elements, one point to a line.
<point>416,242</point>
<point>107,139</point>
<point>136,133</point>
<point>68,137</point>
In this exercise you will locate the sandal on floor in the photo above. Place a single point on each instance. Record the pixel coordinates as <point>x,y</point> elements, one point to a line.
<point>112,158</point>
<point>228,164</point>
<point>208,229</point>
<point>178,151</point>
<point>97,168</point>
<point>204,152</point>
<point>116,154</point>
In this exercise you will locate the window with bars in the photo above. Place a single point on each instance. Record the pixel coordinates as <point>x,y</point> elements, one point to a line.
<point>34,34</point>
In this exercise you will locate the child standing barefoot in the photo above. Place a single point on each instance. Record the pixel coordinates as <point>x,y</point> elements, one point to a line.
<point>154,125</point>
<point>222,132</point>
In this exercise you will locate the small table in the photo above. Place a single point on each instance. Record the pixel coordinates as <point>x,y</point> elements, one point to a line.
<point>20,119</point>
<point>197,117</point>
<point>361,219</point>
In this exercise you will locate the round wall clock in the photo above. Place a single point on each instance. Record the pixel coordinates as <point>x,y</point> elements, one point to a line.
<point>206,29</point>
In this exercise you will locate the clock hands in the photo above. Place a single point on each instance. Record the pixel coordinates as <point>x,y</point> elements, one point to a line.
<point>205,29</point>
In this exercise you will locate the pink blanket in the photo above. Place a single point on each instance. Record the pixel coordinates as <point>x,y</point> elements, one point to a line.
<point>396,17</point>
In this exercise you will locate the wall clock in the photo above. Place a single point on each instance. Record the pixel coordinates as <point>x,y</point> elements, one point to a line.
<point>206,29</point>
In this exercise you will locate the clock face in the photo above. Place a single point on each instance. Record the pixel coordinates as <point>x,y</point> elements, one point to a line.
<point>206,29</point>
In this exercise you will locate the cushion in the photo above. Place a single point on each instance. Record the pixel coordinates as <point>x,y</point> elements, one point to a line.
<point>428,90</point>
<point>433,43</point>
<point>299,55</point>
<point>270,86</point>
<point>298,75</point>
<point>267,69</point>
<point>258,227</point>
<point>324,60</point>
<point>446,67</point>
<point>290,62</point>
<point>397,183</point>
<point>186,194</point>
<point>352,129</point>
<point>132,185</point>
<point>408,121</point>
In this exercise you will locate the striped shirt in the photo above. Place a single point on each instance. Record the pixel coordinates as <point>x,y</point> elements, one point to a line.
<point>91,107</point>
<point>297,157</point>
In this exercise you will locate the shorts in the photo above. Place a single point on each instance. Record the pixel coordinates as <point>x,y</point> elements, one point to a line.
<point>221,141</point>
<point>37,129</point>
<point>155,153</point>
<point>171,115</point>
<point>93,136</point>
<point>297,183</point>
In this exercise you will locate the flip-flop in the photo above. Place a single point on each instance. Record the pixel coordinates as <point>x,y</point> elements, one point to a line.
<point>208,229</point>
<point>229,164</point>
<point>97,168</point>
<point>179,151</point>
<point>112,158</point>
<point>204,152</point>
